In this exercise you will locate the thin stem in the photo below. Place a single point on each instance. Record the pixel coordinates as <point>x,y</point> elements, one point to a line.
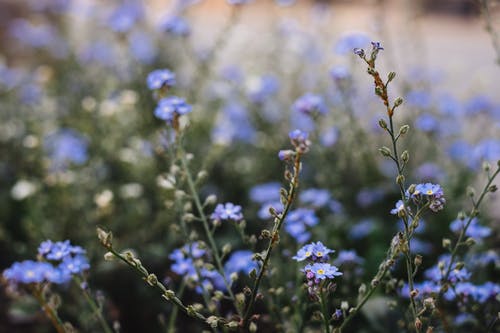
<point>206,227</point>
<point>473,214</point>
<point>278,222</point>
<point>485,8</point>
<point>95,308</point>
<point>175,310</point>
<point>168,294</point>
<point>324,310</point>
<point>49,311</point>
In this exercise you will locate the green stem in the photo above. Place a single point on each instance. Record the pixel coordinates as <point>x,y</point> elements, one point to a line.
<point>175,310</point>
<point>158,285</point>
<point>49,311</point>
<point>95,308</point>
<point>206,227</point>
<point>324,310</point>
<point>472,215</point>
<point>278,222</point>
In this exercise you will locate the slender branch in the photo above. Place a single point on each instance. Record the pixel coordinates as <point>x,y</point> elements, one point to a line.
<point>95,308</point>
<point>278,222</point>
<point>206,227</point>
<point>49,311</point>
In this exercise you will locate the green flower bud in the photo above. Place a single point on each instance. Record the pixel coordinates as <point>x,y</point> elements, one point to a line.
<point>385,151</point>
<point>391,76</point>
<point>382,124</point>
<point>398,101</point>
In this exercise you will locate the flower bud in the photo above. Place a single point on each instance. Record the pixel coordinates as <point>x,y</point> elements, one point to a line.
<point>398,101</point>
<point>486,166</point>
<point>382,124</point>
<point>385,151</point>
<point>253,327</point>
<point>404,129</point>
<point>108,256</point>
<point>213,321</point>
<point>152,280</point>
<point>470,241</point>
<point>226,249</point>
<point>391,76</point>
<point>418,260</point>
<point>169,295</point>
<point>210,200</point>
<point>106,238</point>
<point>446,243</point>
<point>492,188</point>
<point>470,191</point>
<point>344,305</point>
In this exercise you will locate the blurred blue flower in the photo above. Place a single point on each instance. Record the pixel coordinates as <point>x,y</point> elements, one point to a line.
<point>142,47</point>
<point>427,123</point>
<point>362,229</point>
<point>170,107</point>
<point>160,78</point>
<point>267,192</point>
<point>315,197</point>
<point>478,104</point>
<point>176,26</point>
<point>261,88</point>
<point>419,98</point>
<point>240,261</point>
<point>350,41</point>
<point>64,147</point>
<point>125,16</point>
<point>348,257</point>
<point>310,104</point>
<point>329,136</point>
<point>475,230</point>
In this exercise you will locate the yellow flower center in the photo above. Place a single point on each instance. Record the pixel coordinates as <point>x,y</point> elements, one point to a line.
<point>320,271</point>
<point>429,192</point>
<point>319,254</point>
<point>308,254</point>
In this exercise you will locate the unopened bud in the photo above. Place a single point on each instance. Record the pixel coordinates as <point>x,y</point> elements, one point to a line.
<point>492,188</point>
<point>400,179</point>
<point>429,303</point>
<point>188,217</point>
<point>362,289</point>
<point>213,321</point>
<point>106,238</point>
<point>253,327</point>
<point>169,295</point>
<point>391,76</point>
<point>201,176</point>
<point>152,280</point>
<point>385,151</point>
<point>470,191</point>
<point>398,101</point>
<point>382,124</point>
<point>418,260</point>
<point>418,324</point>
<point>470,241</point>
<point>414,293</point>
<point>446,243</point>
<point>486,166</point>
<point>109,256</point>
<point>405,156</point>
<point>210,200</point>
<point>344,305</point>
<point>404,129</point>
<point>226,249</point>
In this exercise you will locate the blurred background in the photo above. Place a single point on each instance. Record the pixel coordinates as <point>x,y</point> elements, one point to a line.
<point>80,146</point>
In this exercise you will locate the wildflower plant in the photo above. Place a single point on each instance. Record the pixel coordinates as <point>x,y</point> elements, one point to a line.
<point>245,189</point>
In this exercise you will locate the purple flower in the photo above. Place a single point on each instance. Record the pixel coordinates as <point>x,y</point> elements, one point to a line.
<point>160,78</point>
<point>315,252</point>
<point>376,46</point>
<point>227,211</point>
<point>432,193</point>
<point>310,104</point>
<point>124,17</point>
<point>170,107</point>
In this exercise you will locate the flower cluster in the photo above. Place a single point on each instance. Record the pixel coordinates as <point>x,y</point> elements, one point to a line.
<point>61,261</point>
<point>317,271</point>
<point>429,193</point>
<point>160,78</point>
<point>310,104</point>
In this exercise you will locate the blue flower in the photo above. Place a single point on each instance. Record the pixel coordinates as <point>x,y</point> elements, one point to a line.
<point>227,211</point>
<point>170,107</point>
<point>296,222</point>
<point>475,230</point>
<point>264,193</point>
<point>350,41</point>
<point>75,265</point>
<point>304,253</point>
<point>260,89</point>
<point>176,25</point>
<point>315,197</point>
<point>124,17</point>
<point>399,207</point>
<point>376,46</point>
<point>160,78</point>
<point>419,99</point>
<point>27,271</point>
<point>329,136</point>
<point>362,229</point>
<point>340,73</point>
<point>299,140</point>
<point>64,147</point>
<point>322,271</point>
<point>142,47</point>
<point>240,261</point>
<point>427,123</point>
<point>433,193</point>
<point>348,257</point>
<point>310,104</point>
<point>238,2</point>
